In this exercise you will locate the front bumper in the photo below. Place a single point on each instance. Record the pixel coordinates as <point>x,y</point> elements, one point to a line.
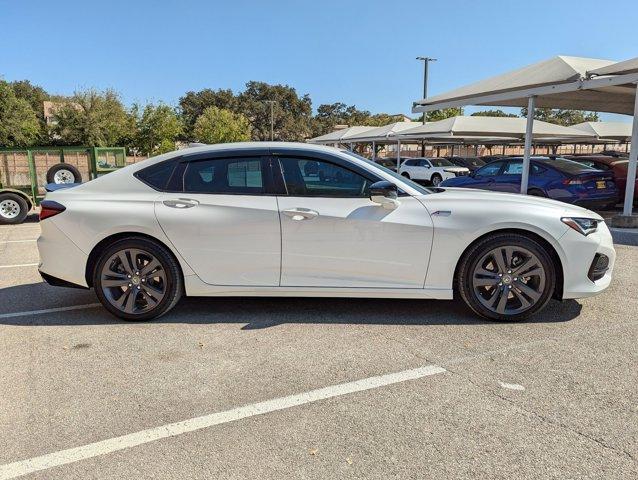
<point>580,251</point>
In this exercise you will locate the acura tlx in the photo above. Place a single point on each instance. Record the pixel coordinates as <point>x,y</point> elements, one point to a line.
<point>286,219</point>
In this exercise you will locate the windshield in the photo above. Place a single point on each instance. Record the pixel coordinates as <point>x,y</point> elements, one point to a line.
<point>441,162</point>
<point>419,188</point>
<point>475,162</point>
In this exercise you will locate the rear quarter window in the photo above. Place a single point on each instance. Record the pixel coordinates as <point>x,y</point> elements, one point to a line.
<point>157,176</point>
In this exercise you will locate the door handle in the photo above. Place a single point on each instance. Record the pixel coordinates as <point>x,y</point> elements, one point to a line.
<point>300,213</point>
<point>181,203</point>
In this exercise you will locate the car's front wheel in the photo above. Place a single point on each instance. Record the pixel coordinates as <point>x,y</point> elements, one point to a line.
<point>436,179</point>
<point>137,279</point>
<point>506,276</point>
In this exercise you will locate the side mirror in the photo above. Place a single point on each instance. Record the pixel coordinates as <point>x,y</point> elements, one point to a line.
<point>385,194</point>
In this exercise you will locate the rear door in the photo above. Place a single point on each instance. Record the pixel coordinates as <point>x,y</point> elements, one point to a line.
<point>223,221</point>
<point>485,176</point>
<point>333,235</point>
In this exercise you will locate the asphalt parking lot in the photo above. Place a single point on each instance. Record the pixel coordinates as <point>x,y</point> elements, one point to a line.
<point>313,388</point>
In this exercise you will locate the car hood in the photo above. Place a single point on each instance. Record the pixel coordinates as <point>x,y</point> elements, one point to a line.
<point>524,201</point>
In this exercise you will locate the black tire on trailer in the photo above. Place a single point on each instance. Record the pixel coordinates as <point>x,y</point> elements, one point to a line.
<point>13,208</point>
<point>63,173</point>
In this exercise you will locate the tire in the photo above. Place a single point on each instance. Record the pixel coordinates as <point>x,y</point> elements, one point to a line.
<point>483,292</point>
<point>406,175</point>
<point>165,277</point>
<point>536,193</point>
<point>436,179</point>
<point>63,173</point>
<point>13,208</point>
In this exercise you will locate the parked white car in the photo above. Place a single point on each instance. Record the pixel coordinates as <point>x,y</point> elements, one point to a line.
<point>285,219</point>
<point>433,170</point>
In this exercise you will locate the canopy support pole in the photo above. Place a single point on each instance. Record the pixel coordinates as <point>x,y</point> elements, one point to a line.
<point>452,154</point>
<point>529,130</point>
<point>633,159</point>
<point>398,155</point>
<point>503,149</point>
<point>374,151</point>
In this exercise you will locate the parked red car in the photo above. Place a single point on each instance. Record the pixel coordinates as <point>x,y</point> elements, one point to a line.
<point>617,165</point>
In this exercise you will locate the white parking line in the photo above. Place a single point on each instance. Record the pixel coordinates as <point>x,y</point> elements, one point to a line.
<point>20,265</point>
<point>49,310</point>
<point>19,241</point>
<point>63,457</point>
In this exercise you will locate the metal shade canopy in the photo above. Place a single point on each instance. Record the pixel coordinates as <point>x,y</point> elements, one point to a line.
<point>618,131</point>
<point>480,126</point>
<point>560,82</point>
<point>340,136</point>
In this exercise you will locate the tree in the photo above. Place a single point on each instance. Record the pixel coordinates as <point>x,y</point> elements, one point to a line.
<point>93,118</point>
<point>158,127</point>
<point>494,113</point>
<point>19,125</point>
<point>435,115</point>
<point>193,104</point>
<point>562,117</point>
<point>217,125</point>
<point>330,115</point>
<point>292,114</point>
<point>36,96</point>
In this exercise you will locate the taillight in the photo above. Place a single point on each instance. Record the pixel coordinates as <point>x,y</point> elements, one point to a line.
<point>573,181</point>
<point>49,208</point>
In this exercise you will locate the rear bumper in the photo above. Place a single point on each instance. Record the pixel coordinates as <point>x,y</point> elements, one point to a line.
<point>61,261</point>
<point>58,282</point>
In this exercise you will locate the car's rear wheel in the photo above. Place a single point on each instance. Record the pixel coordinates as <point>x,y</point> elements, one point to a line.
<point>436,179</point>
<point>137,279</point>
<point>506,276</point>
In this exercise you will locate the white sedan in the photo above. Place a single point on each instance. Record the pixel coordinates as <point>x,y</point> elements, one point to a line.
<point>285,219</point>
<point>433,170</point>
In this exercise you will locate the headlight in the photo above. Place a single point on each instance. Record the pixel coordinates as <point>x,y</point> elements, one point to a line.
<point>584,226</point>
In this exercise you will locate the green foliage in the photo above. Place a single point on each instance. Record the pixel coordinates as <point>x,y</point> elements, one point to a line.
<point>193,104</point>
<point>562,117</point>
<point>19,125</point>
<point>218,125</point>
<point>36,96</point>
<point>330,115</point>
<point>292,114</point>
<point>158,127</point>
<point>494,113</point>
<point>93,118</point>
<point>435,115</point>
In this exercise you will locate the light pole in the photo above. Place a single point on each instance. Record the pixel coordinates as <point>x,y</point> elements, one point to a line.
<point>426,61</point>
<point>272,119</point>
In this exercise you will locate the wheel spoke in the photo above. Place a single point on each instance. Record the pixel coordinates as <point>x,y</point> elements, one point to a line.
<point>114,282</point>
<point>529,263</point>
<point>485,281</point>
<point>508,253</point>
<point>150,301</point>
<point>153,290</point>
<point>524,302</point>
<point>528,291</point>
<point>502,302</point>
<point>125,261</point>
<point>499,258</point>
<point>150,267</point>
<point>129,306</point>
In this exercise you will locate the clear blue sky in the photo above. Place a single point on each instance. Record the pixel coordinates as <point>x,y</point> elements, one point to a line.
<point>357,52</point>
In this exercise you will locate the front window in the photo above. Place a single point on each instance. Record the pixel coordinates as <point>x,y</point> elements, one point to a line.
<point>419,188</point>
<point>317,178</point>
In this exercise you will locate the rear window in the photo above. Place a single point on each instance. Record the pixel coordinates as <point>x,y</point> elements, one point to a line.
<point>567,166</point>
<point>158,175</point>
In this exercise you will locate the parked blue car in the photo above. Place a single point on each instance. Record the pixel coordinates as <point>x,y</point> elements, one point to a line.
<point>559,179</point>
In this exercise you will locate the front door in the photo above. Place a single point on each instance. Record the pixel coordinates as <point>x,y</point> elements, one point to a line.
<point>223,223</point>
<point>333,235</point>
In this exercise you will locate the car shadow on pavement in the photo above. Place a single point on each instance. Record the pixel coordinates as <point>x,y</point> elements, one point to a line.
<point>257,312</point>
